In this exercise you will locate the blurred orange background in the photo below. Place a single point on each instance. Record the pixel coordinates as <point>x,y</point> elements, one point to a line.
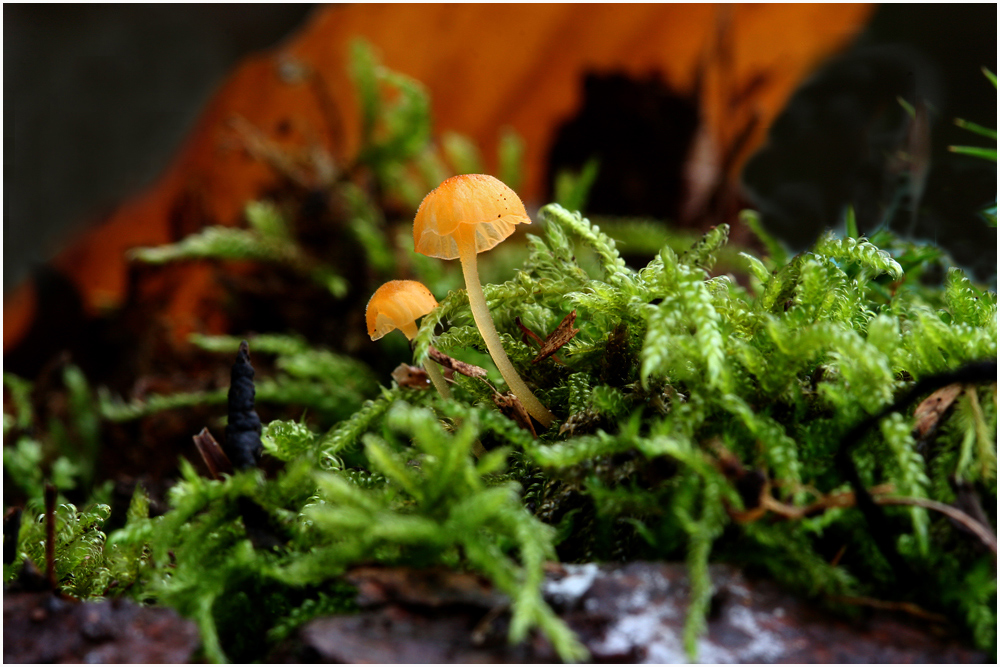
<point>486,67</point>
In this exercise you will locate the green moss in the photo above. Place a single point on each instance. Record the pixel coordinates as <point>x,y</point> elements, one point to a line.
<point>673,369</point>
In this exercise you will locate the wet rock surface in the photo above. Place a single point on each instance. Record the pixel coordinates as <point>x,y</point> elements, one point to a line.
<point>41,627</point>
<point>636,613</point>
<point>622,613</point>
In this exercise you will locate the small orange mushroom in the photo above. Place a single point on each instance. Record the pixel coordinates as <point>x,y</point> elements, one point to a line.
<point>464,216</point>
<point>397,305</point>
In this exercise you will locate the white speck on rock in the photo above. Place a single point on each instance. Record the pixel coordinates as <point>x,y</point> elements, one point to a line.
<point>578,580</point>
<point>764,646</point>
<point>646,627</point>
<point>645,633</point>
<point>737,589</point>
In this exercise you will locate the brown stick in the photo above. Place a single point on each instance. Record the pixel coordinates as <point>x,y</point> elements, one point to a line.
<point>905,607</point>
<point>848,499</point>
<point>456,365</point>
<point>978,529</point>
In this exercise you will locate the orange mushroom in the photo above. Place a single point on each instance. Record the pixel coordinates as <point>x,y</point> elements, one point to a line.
<point>397,305</point>
<point>464,216</point>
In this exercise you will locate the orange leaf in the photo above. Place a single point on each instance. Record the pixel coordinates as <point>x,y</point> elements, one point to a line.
<point>486,66</point>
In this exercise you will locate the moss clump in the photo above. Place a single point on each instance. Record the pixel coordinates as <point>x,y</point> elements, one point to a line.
<point>698,417</point>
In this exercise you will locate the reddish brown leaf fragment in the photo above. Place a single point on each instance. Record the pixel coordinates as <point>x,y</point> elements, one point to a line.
<point>512,408</point>
<point>211,453</point>
<point>528,333</point>
<point>456,365</point>
<point>928,414</point>
<point>412,377</point>
<point>563,334</point>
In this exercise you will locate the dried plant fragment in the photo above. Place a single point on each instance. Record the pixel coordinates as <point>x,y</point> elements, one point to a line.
<point>411,377</point>
<point>212,454</point>
<point>928,414</point>
<point>755,489</point>
<point>528,333</point>
<point>456,365</point>
<point>512,408</point>
<point>563,334</point>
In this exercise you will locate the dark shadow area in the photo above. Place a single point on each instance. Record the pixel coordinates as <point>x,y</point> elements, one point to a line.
<point>845,139</point>
<point>641,132</point>
<point>98,97</point>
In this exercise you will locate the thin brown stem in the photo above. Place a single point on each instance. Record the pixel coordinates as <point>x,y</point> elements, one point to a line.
<point>976,528</point>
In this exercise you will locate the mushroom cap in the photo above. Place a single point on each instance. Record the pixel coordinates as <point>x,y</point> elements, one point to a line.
<point>397,305</point>
<point>470,208</point>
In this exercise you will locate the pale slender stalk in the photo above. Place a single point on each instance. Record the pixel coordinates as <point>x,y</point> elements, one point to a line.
<point>434,373</point>
<point>409,330</point>
<point>439,382</point>
<point>437,378</point>
<point>481,313</point>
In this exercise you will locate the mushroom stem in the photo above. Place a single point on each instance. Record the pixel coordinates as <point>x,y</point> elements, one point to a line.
<point>434,373</point>
<point>409,330</point>
<point>484,321</point>
<point>439,383</point>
